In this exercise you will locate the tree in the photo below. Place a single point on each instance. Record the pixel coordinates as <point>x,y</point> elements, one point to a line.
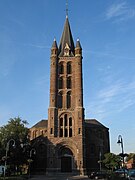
<point>15,129</point>
<point>130,156</point>
<point>111,161</point>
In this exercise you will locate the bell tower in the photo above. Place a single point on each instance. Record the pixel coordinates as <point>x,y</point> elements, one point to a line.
<point>66,111</point>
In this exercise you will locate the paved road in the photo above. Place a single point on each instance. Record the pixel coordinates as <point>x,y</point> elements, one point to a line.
<point>42,177</point>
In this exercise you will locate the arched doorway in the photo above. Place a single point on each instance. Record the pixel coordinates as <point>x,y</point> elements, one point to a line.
<point>66,160</point>
<point>40,163</point>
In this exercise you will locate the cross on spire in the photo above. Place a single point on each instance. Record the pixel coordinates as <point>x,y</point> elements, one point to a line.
<point>66,8</point>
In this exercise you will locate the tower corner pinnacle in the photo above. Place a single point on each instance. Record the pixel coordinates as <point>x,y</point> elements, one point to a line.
<point>78,45</point>
<point>54,45</point>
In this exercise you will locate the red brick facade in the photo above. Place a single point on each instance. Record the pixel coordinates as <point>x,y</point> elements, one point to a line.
<point>69,142</point>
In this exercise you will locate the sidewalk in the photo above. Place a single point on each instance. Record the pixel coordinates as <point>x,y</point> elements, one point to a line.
<point>59,177</point>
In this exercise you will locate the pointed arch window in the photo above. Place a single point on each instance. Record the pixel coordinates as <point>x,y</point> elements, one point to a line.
<point>61,121</point>
<point>60,100</point>
<point>69,68</point>
<point>69,99</point>
<point>65,120</point>
<point>61,68</point>
<point>60,83</point>
<point>70,132</point>
<point>70,121</point>
<point>69,83</point>
<point>61,132</point>
<point>66,133</point>
<point>65,128</point>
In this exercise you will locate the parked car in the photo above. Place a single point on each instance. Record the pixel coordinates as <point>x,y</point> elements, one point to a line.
<point>99,175</point>
<point>121,172</point>
<point>131,174</point>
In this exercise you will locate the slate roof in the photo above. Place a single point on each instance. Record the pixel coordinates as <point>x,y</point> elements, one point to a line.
<point>43,124</point>
<point>78,45</point>
<point>66,38</point>
<point>88,123</point>
<point>54,45</point>
<point>94,123</point>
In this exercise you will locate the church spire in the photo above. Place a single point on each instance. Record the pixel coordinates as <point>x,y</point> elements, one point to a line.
<point>66,39</point>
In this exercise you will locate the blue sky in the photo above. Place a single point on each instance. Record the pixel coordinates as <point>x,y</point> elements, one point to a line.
<point>106,29</point>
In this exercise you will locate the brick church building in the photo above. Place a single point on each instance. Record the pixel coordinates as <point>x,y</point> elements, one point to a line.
<point>67,142</point>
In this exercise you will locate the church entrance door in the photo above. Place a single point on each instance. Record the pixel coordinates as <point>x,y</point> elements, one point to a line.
<point>66,164</point>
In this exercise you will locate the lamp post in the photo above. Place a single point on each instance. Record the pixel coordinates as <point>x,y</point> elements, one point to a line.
<point>100,161</point>
<point>120,142</point>
<point>7,149</point>
<point>32,151</point>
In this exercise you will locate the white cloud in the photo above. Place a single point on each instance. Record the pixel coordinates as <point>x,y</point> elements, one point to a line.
<point>38,46</point>
<point>107,53</point>
<point>115,98</point>
<point>120,12</point>
<point>43,80</point>
<point>110,92</point>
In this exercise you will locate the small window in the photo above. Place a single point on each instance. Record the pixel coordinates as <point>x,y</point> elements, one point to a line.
<point>60,83</point>
<point>69,69</point>
<point>60,99</point>
<point>61,68</point>
<point>69,83</point>
<point>79,131</point>
<point>68,99</point>
<point>51,132</point>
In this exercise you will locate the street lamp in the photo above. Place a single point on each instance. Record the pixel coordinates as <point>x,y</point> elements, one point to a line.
<point>100,160</point>
<point>120,142</point>
<point>7,149</point>
<point>32,151</point>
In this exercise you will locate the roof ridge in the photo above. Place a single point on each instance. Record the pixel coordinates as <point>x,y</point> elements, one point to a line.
<point>40,122</point>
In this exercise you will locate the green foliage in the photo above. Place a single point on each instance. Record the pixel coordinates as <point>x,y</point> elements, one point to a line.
<point>111,161</point>
<point>130,156</point>
<point>15,129</point>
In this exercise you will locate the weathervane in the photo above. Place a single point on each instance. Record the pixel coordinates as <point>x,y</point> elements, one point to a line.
<point>66,8</point>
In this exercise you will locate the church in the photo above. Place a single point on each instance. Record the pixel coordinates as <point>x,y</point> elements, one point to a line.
<point>66,142</point>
